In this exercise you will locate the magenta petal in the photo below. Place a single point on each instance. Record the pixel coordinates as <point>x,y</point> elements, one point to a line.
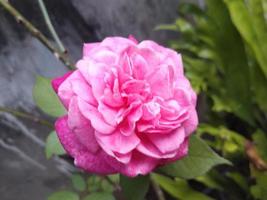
<point>81,127</point>
<point>132,38</point>
<point>95,163</point>
<point>56,82</point>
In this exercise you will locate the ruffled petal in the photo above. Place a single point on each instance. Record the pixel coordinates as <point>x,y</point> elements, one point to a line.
<point>65,90</point>
<point>117,142</point>
<point>97,121</point>
<point>168,142</point>
<point>139,165</point>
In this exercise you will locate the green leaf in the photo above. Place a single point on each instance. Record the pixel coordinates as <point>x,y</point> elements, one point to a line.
<point>259,85</point>
<point>134,188</point>
<point>46,99</point>
<point>259,190</point>
<point>260,140</point>
<point>233,60</point>
<point>244,22</point>
<point>63,195</point>
<point>78,182</point>
<point>53,146</point>
<point>178,188</point>
<point>94,183</point>
<point>200,159</point>
<point>100,196</point>
<point>210,182</point>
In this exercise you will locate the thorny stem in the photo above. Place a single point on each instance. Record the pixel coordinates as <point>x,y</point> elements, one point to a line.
<point>36,33</point>
<point>158,190</point>
<point>27,116</point>
<point>50,26</point>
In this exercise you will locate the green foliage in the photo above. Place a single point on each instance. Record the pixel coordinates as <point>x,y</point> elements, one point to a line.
<point>53,146</point>
<point>199,160</point>
<point>45,97</point>
<point>178,188</point>
<point>63,195</point>
<point>78,182</point>
<point>99,196</point>
<point>134,188</point>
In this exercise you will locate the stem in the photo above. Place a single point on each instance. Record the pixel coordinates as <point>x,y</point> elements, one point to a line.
<point>36,33</point>
<point>27,116</point>
<point>158,190</point>
<point>50,26</point>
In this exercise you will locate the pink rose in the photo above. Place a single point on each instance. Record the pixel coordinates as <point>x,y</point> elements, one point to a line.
<point>130,107</point>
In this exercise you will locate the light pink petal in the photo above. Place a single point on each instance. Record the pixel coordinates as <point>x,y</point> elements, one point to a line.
<point>104,56</point>
<point>140,66</point>
<point>97,121</point>
<point>88,47</point>
<point>150,110</point>
<point>56,82</point>
<point>161,81</point>
<point>109,114</point>
<point>190,125</point>
<point>117,44</point>
<point>168,142</point>
<point>111,99</point>
<point>117,142</point>
<point>94,73</point>
<point>151,45</point>
<point>123,158</point>
<point>181,152</point>
<point>139,165</point>
<point>95,163</point>
<point>174,59</point>
<point>82,89</point>
<point>65,90</point>
<point>149,149</point>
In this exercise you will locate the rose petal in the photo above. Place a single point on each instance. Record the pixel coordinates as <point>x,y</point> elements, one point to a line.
<point>168,142</point>
<point>95,163</point>
<point>81,127</point>
<point>117,142</point>
<point>139,165</point>
<point>97,121</point>
<point>190,125</point>
<point>56,82</point>
<point>65,90</point>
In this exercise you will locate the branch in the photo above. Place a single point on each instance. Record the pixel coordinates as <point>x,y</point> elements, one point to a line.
<point>50,26</point>
<point>27,116</point>
<point>36,33</point>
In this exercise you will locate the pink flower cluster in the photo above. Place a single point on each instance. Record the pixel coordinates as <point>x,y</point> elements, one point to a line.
<point>130,107</point>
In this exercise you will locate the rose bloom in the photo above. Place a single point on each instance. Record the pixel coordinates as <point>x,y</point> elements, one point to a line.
<point>129,107</point>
